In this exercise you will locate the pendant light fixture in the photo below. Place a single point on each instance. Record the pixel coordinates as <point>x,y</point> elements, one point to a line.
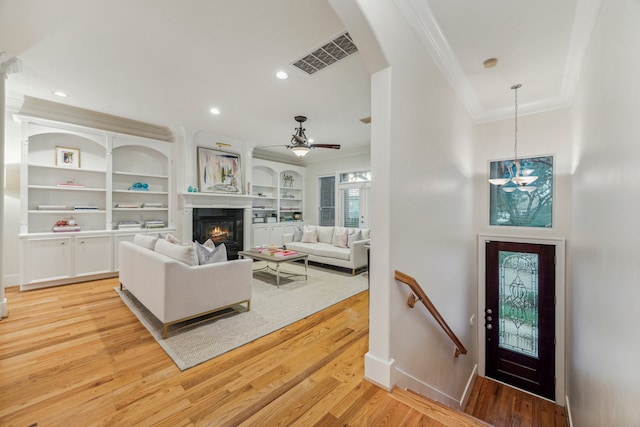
<point>519,178</point>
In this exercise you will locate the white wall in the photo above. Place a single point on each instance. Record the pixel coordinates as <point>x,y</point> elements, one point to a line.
<point>421,214</point>
<point>604,351</point>
<point>324,168</point>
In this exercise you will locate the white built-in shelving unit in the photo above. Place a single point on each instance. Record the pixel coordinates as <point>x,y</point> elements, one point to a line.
<point>96,192</point>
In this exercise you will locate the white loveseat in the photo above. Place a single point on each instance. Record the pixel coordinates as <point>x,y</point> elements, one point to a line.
<point>328,248</point>
<point>174,291</point>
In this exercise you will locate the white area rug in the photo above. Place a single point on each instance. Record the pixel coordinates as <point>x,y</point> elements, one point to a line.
<point>272,308</point>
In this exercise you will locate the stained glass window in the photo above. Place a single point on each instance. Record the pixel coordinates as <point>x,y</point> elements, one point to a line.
<point>528,206</point>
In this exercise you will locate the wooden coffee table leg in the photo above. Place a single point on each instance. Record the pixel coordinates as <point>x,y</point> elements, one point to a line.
<point>278,274</point>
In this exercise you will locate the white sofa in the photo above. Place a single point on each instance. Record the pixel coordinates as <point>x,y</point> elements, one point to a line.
<point>174,291</point>
<point>325,249</point>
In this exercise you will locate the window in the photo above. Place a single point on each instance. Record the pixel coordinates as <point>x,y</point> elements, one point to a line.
<point>509,206</point>
<point>327,192</point>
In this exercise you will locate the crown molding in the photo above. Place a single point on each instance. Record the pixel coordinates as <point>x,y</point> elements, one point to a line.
<point>40,108</point>
<point>420,17</point>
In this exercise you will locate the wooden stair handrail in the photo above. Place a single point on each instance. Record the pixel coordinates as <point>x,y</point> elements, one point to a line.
<point>421,296</point>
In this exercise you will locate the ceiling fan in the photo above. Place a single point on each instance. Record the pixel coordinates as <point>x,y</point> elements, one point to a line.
<point>299,143</point>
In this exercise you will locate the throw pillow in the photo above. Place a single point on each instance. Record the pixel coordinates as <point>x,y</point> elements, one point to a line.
<point>340,237</point>
<point>145,240</point>
<point>210,256</point>
<point>171,239</point>
<point>354,237</point>
<point>209,244</point>
<point>297,234</point>
<point>183,253</point>
<point>366,233</point>
<point>325,234</point>
<point>310,236</point>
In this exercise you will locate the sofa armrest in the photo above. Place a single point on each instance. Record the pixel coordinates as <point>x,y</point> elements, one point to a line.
<point>287,238</point>
<point>358,255</point>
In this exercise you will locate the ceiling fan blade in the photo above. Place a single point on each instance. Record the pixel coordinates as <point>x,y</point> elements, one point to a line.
<point>334,146</point>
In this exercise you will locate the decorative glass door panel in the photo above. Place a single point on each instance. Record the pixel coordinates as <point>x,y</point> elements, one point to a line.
<point>520,315</point>
<point>518,296</point>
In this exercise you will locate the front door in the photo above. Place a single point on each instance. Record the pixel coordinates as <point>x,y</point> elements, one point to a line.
<point>520,316</point>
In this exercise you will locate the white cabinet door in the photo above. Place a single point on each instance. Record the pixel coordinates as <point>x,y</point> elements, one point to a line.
<point>92,255</point>
<point>260,235</point>
<point>116,245</point>
<point>275,235</point>
<point>48,259</point>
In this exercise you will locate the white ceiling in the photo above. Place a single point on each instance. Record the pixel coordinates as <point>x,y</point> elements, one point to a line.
<point>167,62</point>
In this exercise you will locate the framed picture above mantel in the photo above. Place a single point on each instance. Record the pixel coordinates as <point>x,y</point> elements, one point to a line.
<point>219,171</point>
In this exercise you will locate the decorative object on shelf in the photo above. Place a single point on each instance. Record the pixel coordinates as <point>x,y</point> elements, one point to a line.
<point>68,157</point>
<point>288,196</point>
<point>71,183</point>
<point>219,172</point>
<point>521,177</point>
<point>139,186</point>
<point>288,180</point>
<point>192,189</point>
<point>297,216</point>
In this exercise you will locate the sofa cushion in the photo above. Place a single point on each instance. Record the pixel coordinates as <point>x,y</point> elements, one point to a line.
<point>183,253</point>
<point>340,237</point>
<point>207,255</point>
<point>366,233</point>
<point>325,234</point>
<point>145,240</point>
<point>309,234</point>
<point>171,239</point>
<point>354,237</point>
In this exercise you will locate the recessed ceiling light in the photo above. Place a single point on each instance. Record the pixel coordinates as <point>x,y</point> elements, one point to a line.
<point>214,111</point>
<point>282,75</point>
<point>60,93</point>
<point>490,63</point>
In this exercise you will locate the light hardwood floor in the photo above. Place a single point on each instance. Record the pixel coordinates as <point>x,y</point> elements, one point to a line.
<point>76,356</point>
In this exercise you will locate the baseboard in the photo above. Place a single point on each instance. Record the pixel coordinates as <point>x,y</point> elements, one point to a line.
<point>379,371</point>
<point>409,382</point>
<point>567,409</point>
<point>469,387</point>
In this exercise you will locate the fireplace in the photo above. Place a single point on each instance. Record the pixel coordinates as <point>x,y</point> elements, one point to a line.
<point>221,226</point>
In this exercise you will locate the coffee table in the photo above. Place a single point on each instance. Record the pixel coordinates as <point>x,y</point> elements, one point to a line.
<point>277,260</point>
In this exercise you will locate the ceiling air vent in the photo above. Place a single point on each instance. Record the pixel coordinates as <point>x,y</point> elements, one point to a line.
<point>337,49</point>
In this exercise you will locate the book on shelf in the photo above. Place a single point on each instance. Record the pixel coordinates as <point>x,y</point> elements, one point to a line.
<point>52,207</point>
<point>62,228</point>
<point>129,225</point>
<point>152,205</point>
<point>85,208</point>
<point>128,205</point>
<point>154,223</point>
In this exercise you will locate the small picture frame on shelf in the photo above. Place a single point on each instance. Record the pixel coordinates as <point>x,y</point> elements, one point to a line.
<point>67,157</point>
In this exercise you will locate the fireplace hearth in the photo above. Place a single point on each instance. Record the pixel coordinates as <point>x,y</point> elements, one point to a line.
<point>221,226</point>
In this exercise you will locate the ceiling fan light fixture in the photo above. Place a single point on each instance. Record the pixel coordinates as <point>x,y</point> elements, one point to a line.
<point>300,151</point>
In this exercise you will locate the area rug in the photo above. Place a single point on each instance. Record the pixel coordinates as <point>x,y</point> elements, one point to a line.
<point>272,308</point>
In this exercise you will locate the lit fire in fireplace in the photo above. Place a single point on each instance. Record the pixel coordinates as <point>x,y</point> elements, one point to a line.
<point>217,233</point>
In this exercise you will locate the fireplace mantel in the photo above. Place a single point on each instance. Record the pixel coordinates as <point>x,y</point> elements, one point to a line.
<point>215,200</point>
